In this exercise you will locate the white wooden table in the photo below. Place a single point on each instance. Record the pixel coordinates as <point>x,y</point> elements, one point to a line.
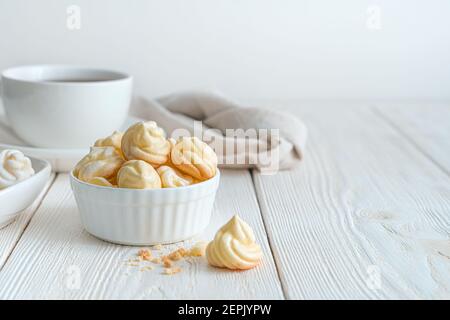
<point>366,216</point>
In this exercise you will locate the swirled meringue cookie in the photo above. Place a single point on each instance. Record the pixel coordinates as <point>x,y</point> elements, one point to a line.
<point>195,158</point>
<point>138,174</point>
<point>114,140</point>
<point>100,162</point>
<point>146,141</point>
<point>172,143</point>
<point>172,178</point>
<point>234,246</point>
<point>14,167</point>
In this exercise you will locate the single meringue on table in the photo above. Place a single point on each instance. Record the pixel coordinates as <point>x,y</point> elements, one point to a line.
<point>14,167</point>
<point>234,246</point>
<point>100,162</point>
<point>194,157</point>
<point>138,174</point>
<point>146,141</point>
<point>172,178</point>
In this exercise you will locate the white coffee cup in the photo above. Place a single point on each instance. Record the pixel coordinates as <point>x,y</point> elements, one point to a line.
<point>55,106</point>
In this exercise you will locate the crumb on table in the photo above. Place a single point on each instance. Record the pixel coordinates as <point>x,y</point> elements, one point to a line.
<point>167,263</point>
<point>171,271</point>
<point>144,254</point>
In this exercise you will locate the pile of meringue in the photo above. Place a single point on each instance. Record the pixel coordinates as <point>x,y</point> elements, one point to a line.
<point>14,167</point>
<point>143,158</point>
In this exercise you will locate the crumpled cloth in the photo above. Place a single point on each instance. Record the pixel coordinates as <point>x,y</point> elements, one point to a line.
<point>278,144</point>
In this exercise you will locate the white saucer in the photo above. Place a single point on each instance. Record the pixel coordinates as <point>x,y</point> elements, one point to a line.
<point>61,160</point>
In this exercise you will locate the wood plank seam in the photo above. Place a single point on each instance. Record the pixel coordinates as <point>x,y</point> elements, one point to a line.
<point>364,198</point>
<point>269,238</point>
<point>379,113</point>
<point>50,184</point>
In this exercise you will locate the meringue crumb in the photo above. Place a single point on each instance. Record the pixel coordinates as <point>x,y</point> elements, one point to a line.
<point>198,249</point>
<point>171,271</point>
<point>132,264</point>
<point>147,268</point>
<point>177,254</point>
<point>156,260</point>
<point>167,263</point>
<point>144,254</point>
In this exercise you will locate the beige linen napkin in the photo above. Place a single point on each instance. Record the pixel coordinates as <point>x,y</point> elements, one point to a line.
<point>279,141</point>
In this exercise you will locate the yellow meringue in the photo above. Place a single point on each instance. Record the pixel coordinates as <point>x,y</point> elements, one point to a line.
<point>234,246</point>
<point>14,167</point>
<point>114,140</point>
<point>103,162</point>
<point>146,141</point>
<point>172,143</point>
<point>138,174</point>
<point>172,178</point>
<point>195,158</point>
<point>99,181</point>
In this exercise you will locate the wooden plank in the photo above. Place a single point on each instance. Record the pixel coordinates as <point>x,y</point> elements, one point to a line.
<point>427,125</point>
<point>55,250</point>
<point>10,235</point>
<point>365,216</point>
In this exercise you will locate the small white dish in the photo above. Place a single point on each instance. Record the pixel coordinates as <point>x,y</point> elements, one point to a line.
<point>18,197</point>
<point>145,216</point>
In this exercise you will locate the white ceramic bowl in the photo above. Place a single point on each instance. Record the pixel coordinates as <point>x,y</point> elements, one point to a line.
<point>18,197</point>
<point>147,216</point>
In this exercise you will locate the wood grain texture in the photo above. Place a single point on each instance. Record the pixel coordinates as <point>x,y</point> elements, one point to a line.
<point>427,125</point>
<point>55,249</point>
<point>364,205</point>
<point>10,235</point>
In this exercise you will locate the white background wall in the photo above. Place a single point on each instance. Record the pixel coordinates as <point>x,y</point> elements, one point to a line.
<point>249,49</point>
